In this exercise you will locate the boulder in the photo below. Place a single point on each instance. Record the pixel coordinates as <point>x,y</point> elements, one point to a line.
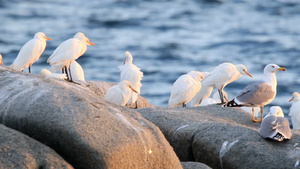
<point>20,151</point>
<point>80,125</point>
<point>222,137</point>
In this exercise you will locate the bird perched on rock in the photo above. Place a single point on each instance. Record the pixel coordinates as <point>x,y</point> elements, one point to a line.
<point>185,88</point>
<point>1,60</point>
<point>120,93</point>
<point>224,74</point>
<point>30,52</point>
<point>77,73</point>
<point>67,52</point>
<point>295,111</point>
<point>258,94</point>
<point>130,72</point>
<point>203,94</point>
<point>47,73</point>
<point>275,126</point>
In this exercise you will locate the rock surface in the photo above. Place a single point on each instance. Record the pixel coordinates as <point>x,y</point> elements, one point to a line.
<point>194,165</point>
<point>79,125</point>
<point>20,151</point>
<point>198,134</point>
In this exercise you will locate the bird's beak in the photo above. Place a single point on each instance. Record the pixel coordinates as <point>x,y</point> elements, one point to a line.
<point>133,89</point>
<point>282,69</point>
<point>248,73</point>
<point>48,38</point>
<point>291,99</point>
<point>91,43</point>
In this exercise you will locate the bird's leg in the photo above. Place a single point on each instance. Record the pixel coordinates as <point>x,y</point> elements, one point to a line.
<point>221,95</point>
<point>62,70</point>
<point>29,69</point>
<point>136,105</point>
<point>253,117</point>
<point>262,113</point>
<point>70,74</point>
<point>66,73</point>
<point>183,105</point>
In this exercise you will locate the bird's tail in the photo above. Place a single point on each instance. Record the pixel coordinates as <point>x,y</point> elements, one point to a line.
<point>232,103</point>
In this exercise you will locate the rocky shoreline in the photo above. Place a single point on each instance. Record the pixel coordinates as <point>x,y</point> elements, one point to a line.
<point>58,124</point>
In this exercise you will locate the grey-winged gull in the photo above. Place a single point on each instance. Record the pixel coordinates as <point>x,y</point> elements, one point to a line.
<point>224,74</point>
<point>295,111</point>
<point>275,126</point>
<point>258,94</point>
<point>185,88</point>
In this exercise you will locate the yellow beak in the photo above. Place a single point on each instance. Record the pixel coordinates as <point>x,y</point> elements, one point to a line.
<point>48,38</point>
<point>248,73</point>
<point>91,43</point>
<point>282,69</point>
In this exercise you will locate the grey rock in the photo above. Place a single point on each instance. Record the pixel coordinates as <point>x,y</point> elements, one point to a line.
<point>199,134</point>
<point>79,125</point>
<point>194,165</point>
<point>20,151</point>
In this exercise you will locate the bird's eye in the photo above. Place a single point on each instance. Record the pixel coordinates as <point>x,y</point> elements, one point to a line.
<point>273,66</point>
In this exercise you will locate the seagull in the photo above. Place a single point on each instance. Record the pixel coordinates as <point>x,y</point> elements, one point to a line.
<point>203,94</point>
<point>30,52</point>
<point>47,73</point>
<point>215,100</point>
<point>77,73</point>
<point>185,88</point>
<point>224,74</point>
<point>275,126</point>
<point>130,72</point>
<point>67,52</point>
<point>295,111</point>
<point>120,93</point>
<point>1,60</point>
<point>258,94</point>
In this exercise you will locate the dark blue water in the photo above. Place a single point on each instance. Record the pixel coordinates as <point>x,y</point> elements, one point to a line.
<point>166,37</point>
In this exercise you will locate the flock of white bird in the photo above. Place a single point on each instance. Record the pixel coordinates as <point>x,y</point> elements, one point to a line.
<point>194,87</point>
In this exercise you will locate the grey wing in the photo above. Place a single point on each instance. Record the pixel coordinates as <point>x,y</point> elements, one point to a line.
<point>256,93</point>
<point>284,127</point>
<point>267,127</point>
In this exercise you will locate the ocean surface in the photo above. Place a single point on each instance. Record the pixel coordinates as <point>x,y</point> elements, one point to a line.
<point>167,38</point>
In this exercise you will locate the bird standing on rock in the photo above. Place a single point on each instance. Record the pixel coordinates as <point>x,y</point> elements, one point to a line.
<point>67,52</point>
<point>185,88</point>
<point>258,94</point>
<point>275,126</point>
<point>130,72</point>
<point>203,94</point>
<point>224,74</point>
<point>30,52</point>
<point>295,111</point>
<point>120,93</point>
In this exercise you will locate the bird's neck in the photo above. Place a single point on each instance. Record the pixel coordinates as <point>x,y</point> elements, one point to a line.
<point>271,79</point>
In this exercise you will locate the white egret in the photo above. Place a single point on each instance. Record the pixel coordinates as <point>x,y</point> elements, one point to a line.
<point>203,94</point>
<point>67,52</point>
<point>120,93</point>
<point>185,88</point>
<point>130,72</point>
<point>224,74</point>
<point>295,111</point>
<point>77,73</point>
<point>258,94</point>
<point>47,73</point>
<point>275,126</point>
<point>30,52</point>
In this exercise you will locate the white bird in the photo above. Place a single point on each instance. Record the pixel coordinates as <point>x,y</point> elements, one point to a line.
<point>47,73</point>
<point>130,72</point>
<point>295,111</point>
<point>67,52</point>
<point>203,94</point>
<point>120,93</point>
<point>215,100</point>
<point>275,126</point>
<point>30,52</point>
<point>77,73</point>
<point>185,88</point>
<point>224,74</point>
<point>258,94</point>
<point>1,60</point>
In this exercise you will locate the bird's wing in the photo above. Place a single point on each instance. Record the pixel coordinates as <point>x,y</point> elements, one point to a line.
<point>133,74</point>
<point>255,94</point>
<point>295,109</point>
<point>77,71</point>
<point>182,89</point>
<point>284,127</point>
<point>28,54</point>
<point>221,74</point>
<point>68,50</point>
<point>114,95</point>
<point>268,127</point>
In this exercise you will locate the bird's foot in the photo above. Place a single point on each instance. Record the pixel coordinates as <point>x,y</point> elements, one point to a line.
<point>256,120</point>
